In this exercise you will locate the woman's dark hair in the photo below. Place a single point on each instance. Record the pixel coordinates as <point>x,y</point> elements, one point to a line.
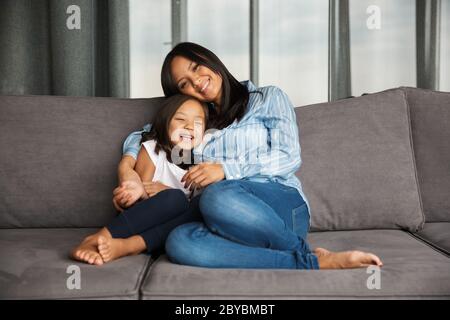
<point>160,126</point>
<point>235,95</point>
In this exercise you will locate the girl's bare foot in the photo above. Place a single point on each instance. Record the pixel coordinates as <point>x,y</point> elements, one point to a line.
<point>346,259</point>
<point>114,248</point>
<point>87,251</point>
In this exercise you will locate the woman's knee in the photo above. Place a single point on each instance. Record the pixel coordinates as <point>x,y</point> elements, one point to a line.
<point>218,196</point>
<point>182,243</point>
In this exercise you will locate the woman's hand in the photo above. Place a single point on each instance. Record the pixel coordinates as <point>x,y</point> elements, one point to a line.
<point>127,194</point>
<point>203,175</point>
<point>152,188</point>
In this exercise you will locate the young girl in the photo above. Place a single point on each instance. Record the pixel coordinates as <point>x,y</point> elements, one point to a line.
<point>162,161</point>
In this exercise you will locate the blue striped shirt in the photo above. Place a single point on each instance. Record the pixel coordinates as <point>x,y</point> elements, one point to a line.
<point>263,146</point>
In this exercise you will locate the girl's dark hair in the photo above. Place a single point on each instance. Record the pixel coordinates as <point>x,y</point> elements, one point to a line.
<point>235,95</point>
<point>160,126</point>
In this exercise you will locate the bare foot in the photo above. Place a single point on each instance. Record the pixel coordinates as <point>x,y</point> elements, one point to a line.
<point>87,251</point>
<point>346,259</point>
<point>114,248</point>
<point>319,252</point>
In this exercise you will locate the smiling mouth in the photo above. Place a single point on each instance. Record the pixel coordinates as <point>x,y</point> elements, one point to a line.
<point>186,137</point>
<point>205,86</point>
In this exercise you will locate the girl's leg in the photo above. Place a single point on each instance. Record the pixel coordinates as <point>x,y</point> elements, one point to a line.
<point>150,240</point>
<point>158,209</point>
<point>163,207</point>
<point>155,238</point>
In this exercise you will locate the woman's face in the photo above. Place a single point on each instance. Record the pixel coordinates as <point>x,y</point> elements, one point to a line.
<point>187,126</point>
<point>196,80</point>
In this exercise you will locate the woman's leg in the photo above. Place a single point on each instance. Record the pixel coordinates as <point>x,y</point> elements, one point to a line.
<point>194,244</point>
<point>255,214</point>
<point>248,225</point>
<point>251,225</point>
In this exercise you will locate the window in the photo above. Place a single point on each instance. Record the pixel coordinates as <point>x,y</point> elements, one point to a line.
<point>222,26</point>
<point>445,47</point>
<point>150,36</point>
<point>293,48</point>
<point>386,57</point>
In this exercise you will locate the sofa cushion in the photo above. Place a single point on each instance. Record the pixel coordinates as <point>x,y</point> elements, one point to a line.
<point>59,157</point>
<point>436,234</point>
<point>358,168</point>
<point>411,270</point>
<point>34,265</point>
<point>430,123</point>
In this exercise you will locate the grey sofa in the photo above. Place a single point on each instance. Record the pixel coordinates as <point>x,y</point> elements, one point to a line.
<point>376,170</point>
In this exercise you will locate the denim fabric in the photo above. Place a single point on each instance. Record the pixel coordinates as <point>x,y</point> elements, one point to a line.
<point>246,224</point>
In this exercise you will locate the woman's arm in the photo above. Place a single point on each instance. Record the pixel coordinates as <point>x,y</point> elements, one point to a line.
<point>283,157</point>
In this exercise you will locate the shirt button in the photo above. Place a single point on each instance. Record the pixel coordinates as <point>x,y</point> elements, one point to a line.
<point>238,175</point>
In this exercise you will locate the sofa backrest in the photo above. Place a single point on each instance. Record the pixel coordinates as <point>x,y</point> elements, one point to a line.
<point>430,123</point>
<point>358,168</point>
<point>59,157</point>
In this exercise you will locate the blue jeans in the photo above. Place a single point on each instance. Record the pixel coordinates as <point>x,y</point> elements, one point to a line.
<point>246,225</point>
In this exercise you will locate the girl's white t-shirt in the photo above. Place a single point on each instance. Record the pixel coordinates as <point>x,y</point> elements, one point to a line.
<point>165,172</point>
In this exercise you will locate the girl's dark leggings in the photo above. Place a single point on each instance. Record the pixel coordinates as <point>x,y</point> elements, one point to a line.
<point>154,218</point>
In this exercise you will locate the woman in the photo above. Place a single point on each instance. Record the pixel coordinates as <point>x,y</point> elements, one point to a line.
<point>254,209</point>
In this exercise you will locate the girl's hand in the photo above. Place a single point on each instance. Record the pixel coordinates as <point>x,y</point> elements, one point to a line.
<point>127,194</point>
<point>203,175</point>
<point>152,188</point>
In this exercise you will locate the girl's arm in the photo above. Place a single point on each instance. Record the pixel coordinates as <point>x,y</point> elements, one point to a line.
<point>145,167</point>
<point>146,170</point>
<point>131,191</point>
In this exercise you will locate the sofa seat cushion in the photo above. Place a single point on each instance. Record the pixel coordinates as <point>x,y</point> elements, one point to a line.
<point>358,168</point>
<point>34,265</point>
<point>411,270</point>
<point>436,234</point>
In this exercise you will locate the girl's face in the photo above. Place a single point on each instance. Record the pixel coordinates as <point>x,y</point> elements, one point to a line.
<point>196,80</point>
<point>187,126</point>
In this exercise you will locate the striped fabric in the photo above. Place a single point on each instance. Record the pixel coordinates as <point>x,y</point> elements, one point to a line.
<point>262,146</point>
